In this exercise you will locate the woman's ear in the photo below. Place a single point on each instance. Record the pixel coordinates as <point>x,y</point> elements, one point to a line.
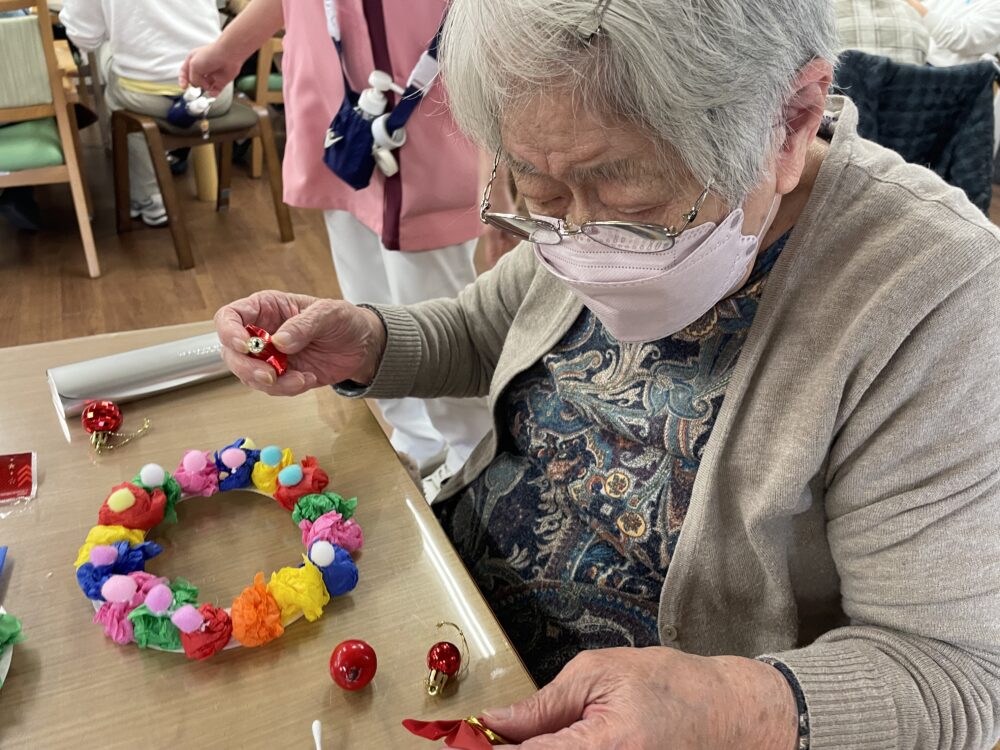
<point>802,116</point>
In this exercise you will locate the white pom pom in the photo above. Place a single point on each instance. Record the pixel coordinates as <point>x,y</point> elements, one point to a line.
<point>322,554</point>
<point>152,475</point>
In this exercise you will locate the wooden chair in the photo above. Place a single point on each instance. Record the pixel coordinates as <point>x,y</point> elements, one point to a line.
<point>39,145</point>
<point>241,122</point>
<point>264,88</point>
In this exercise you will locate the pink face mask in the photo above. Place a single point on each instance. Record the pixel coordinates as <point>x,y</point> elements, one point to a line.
<point>643,292</point>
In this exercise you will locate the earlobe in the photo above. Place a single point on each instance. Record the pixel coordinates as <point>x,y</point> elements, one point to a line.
<point>802,116</point>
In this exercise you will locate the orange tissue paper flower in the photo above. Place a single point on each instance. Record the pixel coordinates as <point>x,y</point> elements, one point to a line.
<point>256,615</point>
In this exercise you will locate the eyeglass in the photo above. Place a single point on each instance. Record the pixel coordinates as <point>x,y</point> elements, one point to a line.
<point>618,235</point>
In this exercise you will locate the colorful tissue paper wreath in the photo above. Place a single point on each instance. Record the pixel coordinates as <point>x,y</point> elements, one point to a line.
<point>134,606</point>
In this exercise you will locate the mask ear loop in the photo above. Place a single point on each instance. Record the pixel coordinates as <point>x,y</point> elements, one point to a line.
<point>772,214</point>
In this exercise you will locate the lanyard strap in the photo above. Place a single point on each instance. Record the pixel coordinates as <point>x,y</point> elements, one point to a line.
<point>419,82</point>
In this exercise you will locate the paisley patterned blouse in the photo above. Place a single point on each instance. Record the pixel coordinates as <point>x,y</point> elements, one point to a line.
<point>570,530</point>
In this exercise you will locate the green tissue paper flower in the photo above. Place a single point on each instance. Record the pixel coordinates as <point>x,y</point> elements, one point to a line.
<point>311,507</point>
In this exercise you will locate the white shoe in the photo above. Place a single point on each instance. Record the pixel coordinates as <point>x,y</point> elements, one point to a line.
<point>151,211</point>
<point>434,481</point>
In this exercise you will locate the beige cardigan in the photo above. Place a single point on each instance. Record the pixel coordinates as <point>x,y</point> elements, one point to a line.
<point>846,513</point>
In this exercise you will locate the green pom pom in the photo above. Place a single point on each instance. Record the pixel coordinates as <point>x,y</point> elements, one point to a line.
<point>311,507</point>
<point>171,489</point>
<point>10,631</point>
<point>184,593</point>
<point>154,630</point>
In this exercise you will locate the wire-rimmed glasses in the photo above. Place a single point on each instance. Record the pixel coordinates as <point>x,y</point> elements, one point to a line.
<point>616,235</point>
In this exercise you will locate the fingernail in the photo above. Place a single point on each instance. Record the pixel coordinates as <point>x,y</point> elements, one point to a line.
<point>498,714</point>
<point>282,340</point>
<point>264,378</point>
<point>241,346</point>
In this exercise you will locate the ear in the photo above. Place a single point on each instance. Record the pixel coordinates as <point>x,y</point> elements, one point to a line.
<point>802,116</point>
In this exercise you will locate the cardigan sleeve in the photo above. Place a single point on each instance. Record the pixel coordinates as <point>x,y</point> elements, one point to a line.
<point>974,31</point>
<point>450,347</point>
<point>913,508</point>
<point>85,23</point>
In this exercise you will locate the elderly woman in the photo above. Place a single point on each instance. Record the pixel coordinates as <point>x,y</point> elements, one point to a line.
<point>742,490</point>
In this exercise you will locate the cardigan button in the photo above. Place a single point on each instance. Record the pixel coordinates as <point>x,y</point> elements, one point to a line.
<point>669,633</point>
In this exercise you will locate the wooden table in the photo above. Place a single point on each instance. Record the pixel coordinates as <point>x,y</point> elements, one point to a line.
<point>70,686</point>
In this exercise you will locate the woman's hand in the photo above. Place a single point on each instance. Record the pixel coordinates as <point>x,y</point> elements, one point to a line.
<point>211,68</point>
<point>654,698</point>
<point>327,341</point>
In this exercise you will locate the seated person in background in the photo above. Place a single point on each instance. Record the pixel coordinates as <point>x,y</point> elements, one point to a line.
<point>883,27</point>
<point>146,44</point>
<point>743,486</point>
<point>962,31</point>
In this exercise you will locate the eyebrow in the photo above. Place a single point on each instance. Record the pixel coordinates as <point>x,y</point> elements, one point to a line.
<point>618,170</point>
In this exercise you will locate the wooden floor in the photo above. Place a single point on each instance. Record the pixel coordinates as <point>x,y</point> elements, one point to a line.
<point>45,293</point>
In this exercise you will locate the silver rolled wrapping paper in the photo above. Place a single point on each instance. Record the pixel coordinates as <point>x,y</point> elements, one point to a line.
<point>137,374</point>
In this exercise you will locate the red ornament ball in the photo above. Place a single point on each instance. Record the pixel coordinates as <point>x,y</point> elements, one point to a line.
<point>444,657</point>
<point>101,416</point>
<point>353,664</point>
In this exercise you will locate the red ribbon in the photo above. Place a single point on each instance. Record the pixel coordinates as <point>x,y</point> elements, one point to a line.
<point>271,355</point>
<point>458,734</point>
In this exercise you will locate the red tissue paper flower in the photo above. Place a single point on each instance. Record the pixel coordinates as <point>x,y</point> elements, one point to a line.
<point>145,513</point>
<point>314,481</point>
<point>213,635</point>
<point>458,734</point>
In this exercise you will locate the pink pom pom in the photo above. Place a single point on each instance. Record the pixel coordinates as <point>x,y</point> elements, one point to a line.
<point>119,589</point>
<point>159,599</point>
<point>233,458</point>
<point>197,481</point>
<point>103,554</point>
<point>146,583</point>
<point>194,461</point>
<point>187,619</point>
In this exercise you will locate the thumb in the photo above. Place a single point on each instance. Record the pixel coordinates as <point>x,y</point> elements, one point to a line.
<point>556,706</point>
<point>299,331</point>
<point>185,75</point>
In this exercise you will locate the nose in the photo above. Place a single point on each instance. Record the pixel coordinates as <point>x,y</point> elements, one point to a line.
<point>580,210</point>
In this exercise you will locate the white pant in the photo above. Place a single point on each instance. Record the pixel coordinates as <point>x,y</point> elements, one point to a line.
<point>367,272</point>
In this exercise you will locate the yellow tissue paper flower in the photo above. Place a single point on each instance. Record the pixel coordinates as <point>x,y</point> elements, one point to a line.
<point>107,535</point>
<point>299,590</point>
<point>265,478</point>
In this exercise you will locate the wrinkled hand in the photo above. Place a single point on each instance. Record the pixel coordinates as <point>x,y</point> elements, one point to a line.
<point>651,699</point>
<point>210,68</point>
<point>327,341</point>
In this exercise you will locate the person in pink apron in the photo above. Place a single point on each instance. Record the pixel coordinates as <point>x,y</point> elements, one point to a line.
<point>404,238</point>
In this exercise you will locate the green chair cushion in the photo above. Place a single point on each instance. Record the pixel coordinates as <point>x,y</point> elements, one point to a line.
<point>248,84</point>
<point>30,145</point>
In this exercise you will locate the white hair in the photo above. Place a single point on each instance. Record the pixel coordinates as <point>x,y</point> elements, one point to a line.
<point>705,79</point>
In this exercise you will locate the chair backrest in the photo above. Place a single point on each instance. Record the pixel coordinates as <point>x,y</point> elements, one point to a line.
<point>941,118</point>
<point>265,58</point>
<point>31,84</point>
<point>24,79</point>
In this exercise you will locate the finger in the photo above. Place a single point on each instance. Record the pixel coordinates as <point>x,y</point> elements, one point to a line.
<point>253,372</point>
<point>231,320</point>
<point>261,376</point>
<point>296,333</point>
<point>556,706</point>
<point>211,86</point>
<point>183,77</point>
<point>292,383</point>
<point>582,734</point>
